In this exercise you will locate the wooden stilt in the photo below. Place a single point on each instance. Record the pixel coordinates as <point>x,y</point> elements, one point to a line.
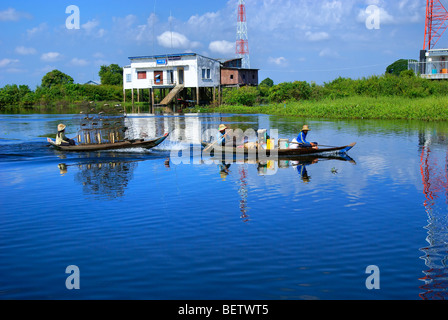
<point>197,96</point>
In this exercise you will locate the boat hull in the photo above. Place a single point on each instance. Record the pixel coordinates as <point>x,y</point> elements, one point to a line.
<point>128,144</point>
<point>280,152</point>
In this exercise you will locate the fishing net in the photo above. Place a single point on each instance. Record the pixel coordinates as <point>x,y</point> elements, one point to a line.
<point>104,124</point>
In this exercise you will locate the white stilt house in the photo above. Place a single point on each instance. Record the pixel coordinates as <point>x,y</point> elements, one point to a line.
<point>174,72</point>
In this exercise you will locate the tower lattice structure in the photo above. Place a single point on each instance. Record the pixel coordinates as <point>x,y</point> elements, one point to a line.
<point>436,23</point>
<point>242,41</point>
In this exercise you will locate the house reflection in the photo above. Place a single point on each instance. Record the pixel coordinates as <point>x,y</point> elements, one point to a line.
<point>435,188</point>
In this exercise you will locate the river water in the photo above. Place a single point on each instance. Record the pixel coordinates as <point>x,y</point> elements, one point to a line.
<point>140,224</point>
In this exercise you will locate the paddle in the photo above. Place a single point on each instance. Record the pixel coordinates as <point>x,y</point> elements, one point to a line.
<point>319,145</point>
<point>211,145</point>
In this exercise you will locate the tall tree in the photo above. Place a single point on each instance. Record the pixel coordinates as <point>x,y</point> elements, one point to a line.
<point>112,75</point>
<point>398,66</point>
<point>267,82</point>
<point>54,78</point>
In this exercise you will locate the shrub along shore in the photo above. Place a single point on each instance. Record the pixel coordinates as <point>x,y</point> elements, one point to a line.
<point>406,96</point>
<point>357,107</point>
<point>388,96</point>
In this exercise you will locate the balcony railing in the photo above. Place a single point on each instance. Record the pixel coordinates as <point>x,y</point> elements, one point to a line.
<point>430,69</point>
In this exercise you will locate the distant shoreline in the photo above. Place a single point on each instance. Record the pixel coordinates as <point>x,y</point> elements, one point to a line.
<point>433,108</point>
<point>385,108</point>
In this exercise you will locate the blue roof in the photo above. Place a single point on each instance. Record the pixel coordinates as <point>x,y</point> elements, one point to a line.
<point>163,56</point>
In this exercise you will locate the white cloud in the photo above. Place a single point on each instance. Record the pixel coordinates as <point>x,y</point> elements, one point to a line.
<point>79,62</point>
<point>329,53</point>
<point>51,56</point>
<point>90,25</point>
<point>176,40</point>
<point>317,36</point>
<point>91,28</point>
<point>12,14</point>
<point>36,30</point>
<point>222,47</point>
<point>278,61</point>
<point>25,51</point>
<point>7,62</point>
<point>98,55</point>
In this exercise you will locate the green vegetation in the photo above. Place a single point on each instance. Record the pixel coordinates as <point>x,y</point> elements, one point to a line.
<point>58,92</point>
<point>398,94</point>
<point>111,75</point>
<point>388,96</point>
<point>429,108</point>
<point>398,66</point>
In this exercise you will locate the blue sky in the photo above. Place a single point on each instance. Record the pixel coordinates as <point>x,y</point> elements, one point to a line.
<point>288,39</point>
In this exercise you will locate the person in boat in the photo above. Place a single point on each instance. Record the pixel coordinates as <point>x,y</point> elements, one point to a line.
<point>61,139</point>
<point>300,141</point>
<point>221,137</point>
<point>224,139</point>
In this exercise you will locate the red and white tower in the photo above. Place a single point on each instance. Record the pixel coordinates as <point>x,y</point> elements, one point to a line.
<point>242,41</point>
<point>436,23</point>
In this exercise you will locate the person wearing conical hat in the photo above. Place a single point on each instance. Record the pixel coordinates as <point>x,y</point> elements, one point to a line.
<point>300,141</point>
<point>61,139</point>
<point>221,137</point>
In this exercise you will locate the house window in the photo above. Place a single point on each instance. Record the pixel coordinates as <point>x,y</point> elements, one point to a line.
<point>231,77</point>
<point>128,77</point>
<point>206,74</point>
<point>141,75</point>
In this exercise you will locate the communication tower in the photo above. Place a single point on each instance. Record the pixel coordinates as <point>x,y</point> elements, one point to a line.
<point>242,42</point>
<point>436,23</point>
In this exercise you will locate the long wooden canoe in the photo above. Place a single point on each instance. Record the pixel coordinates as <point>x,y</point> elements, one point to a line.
<point>127,144</point>
<point>280,152</point>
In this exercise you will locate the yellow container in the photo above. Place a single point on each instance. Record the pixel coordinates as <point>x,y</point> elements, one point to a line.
<point>270,144</point>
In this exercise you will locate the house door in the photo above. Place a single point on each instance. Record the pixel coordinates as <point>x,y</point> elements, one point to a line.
<point>180,74</point>
<point>158,77</point>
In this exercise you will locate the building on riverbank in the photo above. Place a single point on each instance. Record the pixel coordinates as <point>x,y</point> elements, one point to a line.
<point>233,75</point>
<point>171,75</point>
<point>185,77</point>
<point>433,64</point>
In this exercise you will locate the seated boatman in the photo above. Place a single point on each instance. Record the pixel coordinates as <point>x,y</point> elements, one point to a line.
<point>221,137</point>
<point>300,141</point>
<point>61,139</point>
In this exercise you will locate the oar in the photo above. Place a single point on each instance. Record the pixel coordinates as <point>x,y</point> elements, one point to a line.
<point>211,145</point>
<point>319,145</point>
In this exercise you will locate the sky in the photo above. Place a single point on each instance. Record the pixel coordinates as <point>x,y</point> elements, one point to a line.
<point>289,40</point>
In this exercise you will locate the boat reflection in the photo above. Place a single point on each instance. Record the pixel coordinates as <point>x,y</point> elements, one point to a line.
<point>107,180</point>
<point>267,168</point>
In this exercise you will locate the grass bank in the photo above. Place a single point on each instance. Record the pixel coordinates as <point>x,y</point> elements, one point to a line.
<point>355,107</point>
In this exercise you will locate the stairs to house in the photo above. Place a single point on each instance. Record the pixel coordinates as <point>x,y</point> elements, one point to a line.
<point>172,94</point>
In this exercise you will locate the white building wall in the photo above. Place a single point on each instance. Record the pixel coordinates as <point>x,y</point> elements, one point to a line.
<point>192,66</point>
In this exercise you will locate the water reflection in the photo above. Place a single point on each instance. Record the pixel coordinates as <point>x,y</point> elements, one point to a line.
<point>108,180</point>
<point>435,187</point>
<point>269,168</point>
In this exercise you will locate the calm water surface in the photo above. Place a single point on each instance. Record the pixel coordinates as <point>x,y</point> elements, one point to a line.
<point>139,226</point>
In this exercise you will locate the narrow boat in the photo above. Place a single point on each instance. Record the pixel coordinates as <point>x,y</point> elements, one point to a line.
<point>126,144</point>
<point>280,152</point>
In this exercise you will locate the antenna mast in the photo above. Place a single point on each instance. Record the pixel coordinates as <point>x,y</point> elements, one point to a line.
<point>436,23</point>
<point>242,42</point>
